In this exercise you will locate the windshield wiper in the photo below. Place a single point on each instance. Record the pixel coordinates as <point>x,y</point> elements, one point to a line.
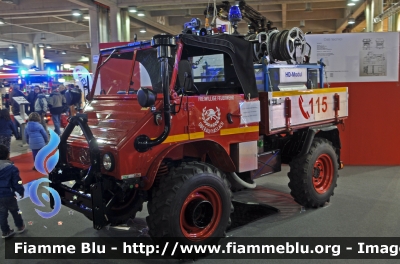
<point>108,58</point>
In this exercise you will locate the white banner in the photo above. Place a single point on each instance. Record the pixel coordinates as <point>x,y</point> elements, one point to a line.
<point>357,57</point>
<point>82,75</point>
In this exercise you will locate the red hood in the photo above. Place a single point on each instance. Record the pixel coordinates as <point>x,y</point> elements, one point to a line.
<point>111,119</point>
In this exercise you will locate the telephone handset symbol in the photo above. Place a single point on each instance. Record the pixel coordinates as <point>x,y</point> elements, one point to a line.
<point>304,113</point>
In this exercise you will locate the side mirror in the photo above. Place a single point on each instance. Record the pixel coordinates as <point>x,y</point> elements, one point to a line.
<point>146,97</point>
<point>185,75</point>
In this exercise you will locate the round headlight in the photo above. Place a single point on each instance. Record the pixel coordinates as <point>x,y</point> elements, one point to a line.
<point>108,161</point>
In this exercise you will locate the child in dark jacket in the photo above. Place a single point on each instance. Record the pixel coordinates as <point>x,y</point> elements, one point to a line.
<point>35,134</point>
<point>7,128</point>
<point>10,182</point>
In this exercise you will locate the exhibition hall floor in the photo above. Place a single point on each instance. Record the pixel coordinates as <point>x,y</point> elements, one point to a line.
<point>366,204</point>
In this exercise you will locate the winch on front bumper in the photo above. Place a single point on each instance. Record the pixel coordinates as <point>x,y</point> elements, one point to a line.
<point>101,198</point>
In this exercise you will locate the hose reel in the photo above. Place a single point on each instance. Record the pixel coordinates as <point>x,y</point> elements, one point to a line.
<point>286,45</point>
<point>261,48</point>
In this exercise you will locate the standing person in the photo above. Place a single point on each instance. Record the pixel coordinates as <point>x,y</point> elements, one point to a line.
<point>35,135</point>
<point>68,98</point>
<point>65,111</point>
<point>41,108</point>
<point>7,128</point>
<point>16,92</point>
<point>10,182</point>
<point>56,102</point>
<point>33,94</point>
<point>62,91</point>
<point>73,98</point>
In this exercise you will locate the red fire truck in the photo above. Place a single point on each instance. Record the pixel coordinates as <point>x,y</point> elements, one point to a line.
<point>161,131</point>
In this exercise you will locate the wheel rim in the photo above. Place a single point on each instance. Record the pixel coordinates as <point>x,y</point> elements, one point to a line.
<point>201,213</point>
<point>323,173</point>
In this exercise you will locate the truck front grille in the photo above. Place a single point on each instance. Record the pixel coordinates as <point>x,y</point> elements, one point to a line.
<point>78,155</point>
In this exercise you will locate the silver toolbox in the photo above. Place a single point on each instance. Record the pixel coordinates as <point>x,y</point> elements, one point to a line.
<point>244,155</point>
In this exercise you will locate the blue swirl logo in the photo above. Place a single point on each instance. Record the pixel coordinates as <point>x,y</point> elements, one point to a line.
<point>35,199</point>
<point>47,158</point>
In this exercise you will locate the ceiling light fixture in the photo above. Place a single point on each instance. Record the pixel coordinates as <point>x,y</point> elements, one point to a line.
<point>142,30</point>
<point>64,52</point>
<point>8,62</point>
<point>377,20</point>
<point>48,46</point>
<point>140,13</point>
<point>188,14</point>
<point>76,12</point>
<point>84,58</point>
<point>302,23</point>
<point>351,21</point>
<point>308,7</point>
<point>11,46</point>
<point>2,22</point>
<point>132,9</point>
<point>86,17</point>
<point>28,61</point>
<point>351,4</point>
<point>41,45</point>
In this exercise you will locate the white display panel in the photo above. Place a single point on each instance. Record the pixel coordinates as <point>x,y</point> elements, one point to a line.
<point>357,57</point>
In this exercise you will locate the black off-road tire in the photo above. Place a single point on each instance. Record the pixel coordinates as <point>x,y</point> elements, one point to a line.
<point>313,176</point>
<point>170,199</point>
<point>118,217</point>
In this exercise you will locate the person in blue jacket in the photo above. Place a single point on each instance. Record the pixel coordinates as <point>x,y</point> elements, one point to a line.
<point>10,182</point>
<point>35,134</point>
<point>7,128</point>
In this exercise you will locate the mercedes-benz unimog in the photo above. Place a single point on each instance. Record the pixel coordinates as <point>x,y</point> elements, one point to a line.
<point>181,121</point>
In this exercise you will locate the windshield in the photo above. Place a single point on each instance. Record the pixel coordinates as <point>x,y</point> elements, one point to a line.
<point>119,75</point>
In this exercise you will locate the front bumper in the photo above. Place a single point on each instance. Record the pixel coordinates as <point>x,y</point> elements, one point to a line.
<point>86,195</point>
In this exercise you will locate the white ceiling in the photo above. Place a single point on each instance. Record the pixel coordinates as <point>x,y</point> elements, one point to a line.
<point>50,21</point>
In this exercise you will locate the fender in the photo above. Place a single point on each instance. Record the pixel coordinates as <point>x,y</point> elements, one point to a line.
<point>217,153</point>
<point>332,134</point>
<point>321,131</point>
<point>301,141</point>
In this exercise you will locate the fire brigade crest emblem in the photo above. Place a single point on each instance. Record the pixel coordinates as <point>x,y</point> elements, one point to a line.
<point>211,120</point>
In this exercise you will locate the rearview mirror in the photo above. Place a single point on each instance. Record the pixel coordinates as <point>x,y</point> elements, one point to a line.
<point>146,97</point>
<point>185,75</point>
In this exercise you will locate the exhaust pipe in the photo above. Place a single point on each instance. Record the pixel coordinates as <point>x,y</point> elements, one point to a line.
<point>163,42</point>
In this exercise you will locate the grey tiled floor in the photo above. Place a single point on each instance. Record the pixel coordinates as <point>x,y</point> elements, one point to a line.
<point>366,204</point>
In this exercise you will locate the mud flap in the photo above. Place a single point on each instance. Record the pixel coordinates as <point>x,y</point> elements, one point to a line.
<point>99,216</point>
